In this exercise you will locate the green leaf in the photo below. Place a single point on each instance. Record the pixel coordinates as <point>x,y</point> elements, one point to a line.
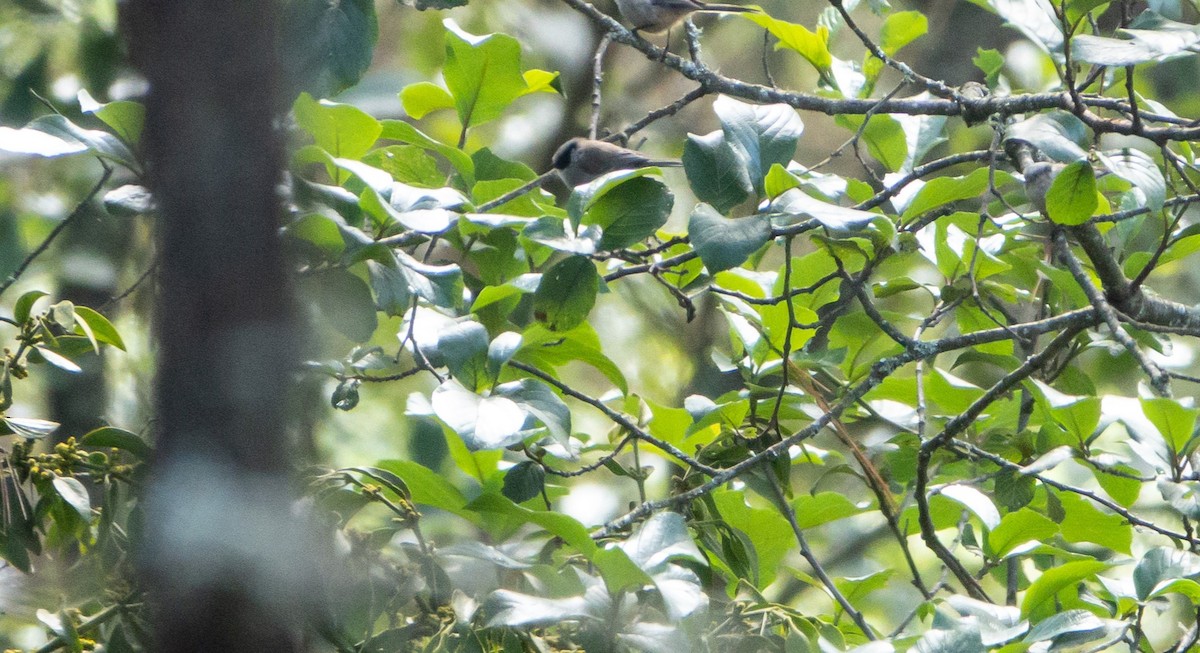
<point>945,190</point>
<point>1057,134</point>
<point>342,130</point>
<point>484,423</point>
<point>524,481</point>
<point>975,501</point>
<point>428,487</point>
<point>841,220</point>
<point>398,130</point>
<point>1086,523</point>
<point>1017,528</point>
<point>884,137</point>
<point>326,47</point>
<point>991,62</point>
<point>24,305</point>
<point>1176,423</point>
<point>566,293</point>
<point>129,200</point>
<point>548,349</point>
<point>345,300</point>
<point>663,538</point>
<point>1070,627</point>
<point>571,531</point>
<point>901,28</point>
<point>125,117</point>
<point>483,73</point>
<point>111,436</point>
<point>822,508</point>
<point>75,495</point>
<point>1039,597</point>
<point>766,528</point>
<point>423,98</point>
<point>723,243</point>
<point>1150,37</point>
<point>1072,199</point>
<point>814,47</point>
<point>629,212</point>
<point>715,173</point>
<point>1162,566</point>
<point>760,135</point>
<point>30,428</point>
<point>65,137</point>
<point>58,360</point>
<point>1139,169</point>
<point>464,348</point>
<point>99,326</point>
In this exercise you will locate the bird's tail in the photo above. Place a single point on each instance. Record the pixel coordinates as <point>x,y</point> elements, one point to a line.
<point>665,163</point>
<point>731,9</point>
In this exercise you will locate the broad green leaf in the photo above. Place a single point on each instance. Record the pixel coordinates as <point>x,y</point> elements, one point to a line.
<point>1071,199</point>
<point>129,200</point>
<point>1057,134</point>
<point>991,62</point>
<point>975,501</point>
<point>767,529</point>
<point>715,172</point>
<point>536,399</point>
<point>398,130</point>
<point>423,98</point>
<point>1176,423</point>
<point>1070,627</point>
<point>501,350</point>
<point>941,191</point>
<point>428,487</point>
<point>326,47</point>
<point>901,28</point>
<point>484,423</point>
<point>1160,567</point>
<point>839,219</point>
<point>822,508</point>
<point>58,360</point>
<point>75,495</point>
<point>342,130</point>
<point>464,348</point>
<point>111,436</point>
<point>524,481</point>
<point>541,81</point>
<point>724,243</point>
<point>566,293</point>
<point>125,117</point>
<point>30,428</point>
<point>1017,528</point>
<point>813,46</point>
<point>549,349</point>
<point>663,538</point>
<point>70,139</point>
<point>1139,169</point>
<point>505,608</point>
<point>760,135</point>
<point>483,73</point>
<point>571,531</point>
<point>856,589</point>
<point>1150,37</point>
<point>884,137</point>
<point>1033,18</point>
<point>1039,597</point>
<point>24,305</point>
<point>99,326</point>
<point>629,212</point>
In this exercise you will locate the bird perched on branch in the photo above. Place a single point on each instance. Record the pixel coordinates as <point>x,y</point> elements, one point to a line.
<point>581,160</point>
<point>656,16</point>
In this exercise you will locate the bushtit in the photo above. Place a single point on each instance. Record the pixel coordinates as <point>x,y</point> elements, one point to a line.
<point>1038,178</point>
<point>656,16</point>
<point>580,160</point>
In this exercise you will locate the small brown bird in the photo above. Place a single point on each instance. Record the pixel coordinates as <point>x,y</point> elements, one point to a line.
<point>581,160</point>
<point>656,16</point>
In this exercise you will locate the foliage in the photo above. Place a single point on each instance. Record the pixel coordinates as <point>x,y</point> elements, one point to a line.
<point>953,408</point>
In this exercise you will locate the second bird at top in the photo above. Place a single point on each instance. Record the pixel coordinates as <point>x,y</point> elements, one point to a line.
<point>659,15</point>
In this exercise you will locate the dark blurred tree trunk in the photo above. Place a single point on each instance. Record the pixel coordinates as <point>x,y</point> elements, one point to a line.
<point>224,328</point>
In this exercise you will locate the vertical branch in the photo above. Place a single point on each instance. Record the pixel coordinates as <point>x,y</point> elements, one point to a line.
<point>597,82</point>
